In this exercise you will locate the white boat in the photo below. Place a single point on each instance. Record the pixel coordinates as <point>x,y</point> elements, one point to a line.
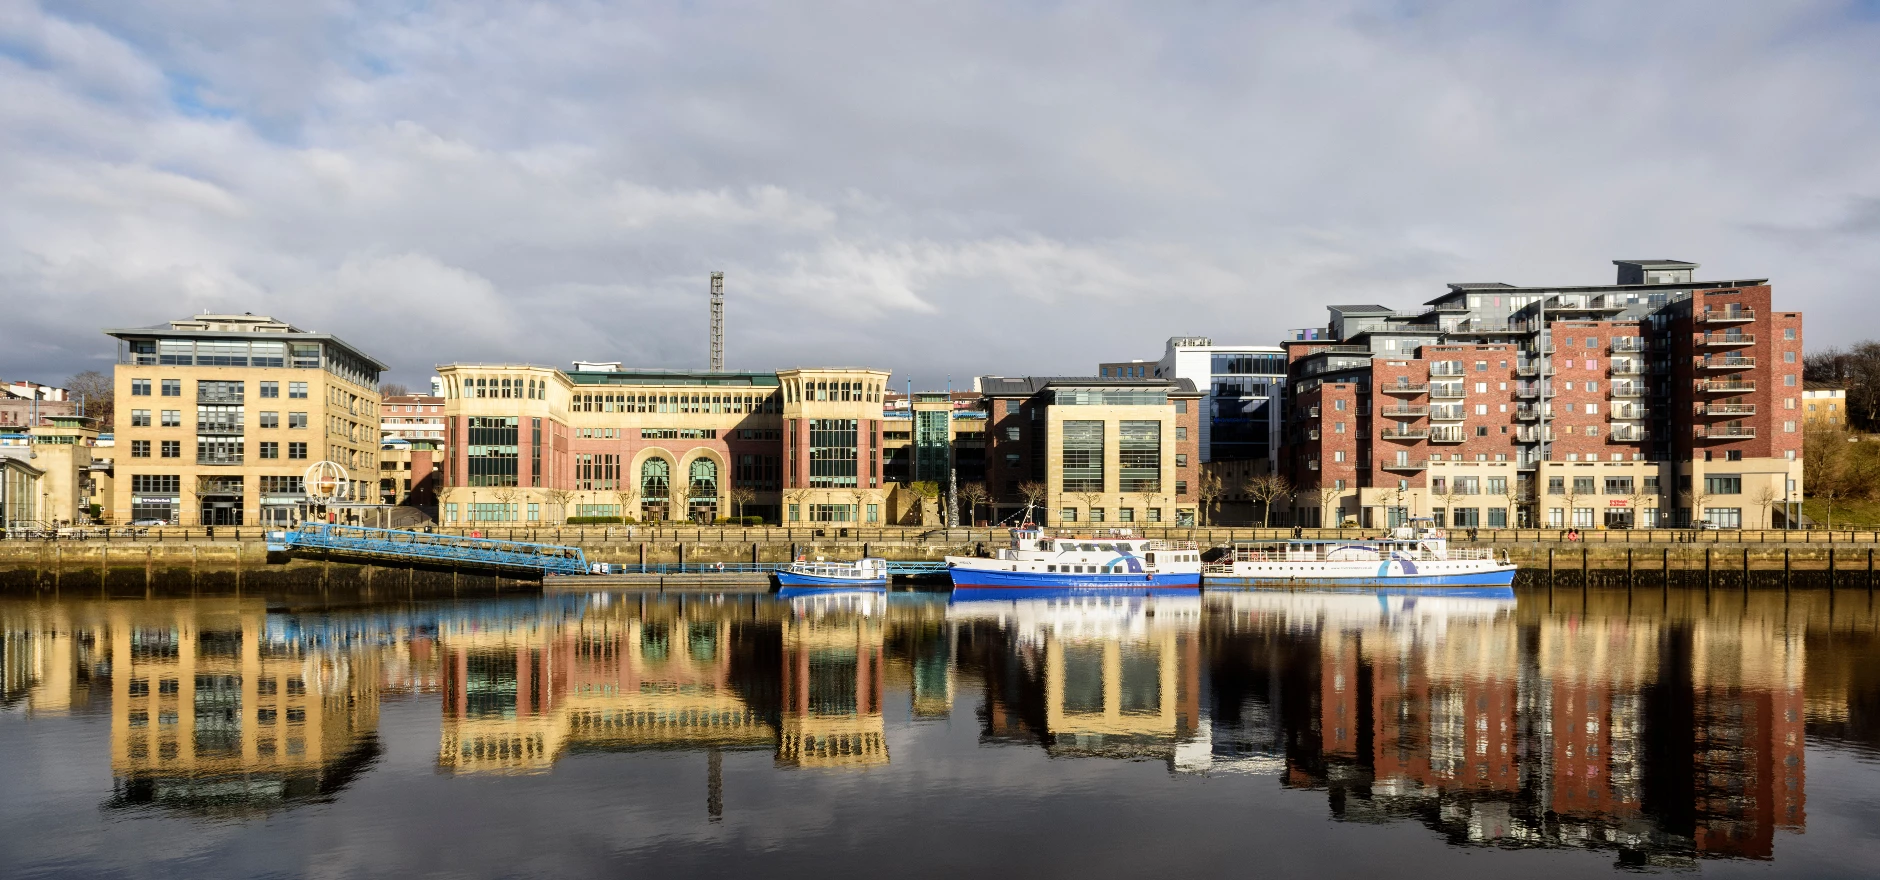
<point>861,574</point>
<point>1115,559</point>
<point>1411,558</point>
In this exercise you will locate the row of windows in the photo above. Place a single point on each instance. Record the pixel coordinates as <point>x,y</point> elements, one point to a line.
<point>721,404</point>
<point>218,417</point>
<point>799,390</point>
<point>1123,514</point>
<point>219,389</point>
<point>219,450</point>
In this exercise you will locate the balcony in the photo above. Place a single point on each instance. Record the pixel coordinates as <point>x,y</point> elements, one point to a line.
<point>1628,368</point>
<point>1628,389</point>
<point>1628,343</point>
<point>1404,465</point>
<point>1726,316</point>
<point>1447,435</point>
<point>1726,340</point>
<point>1452,413</point>
<point>1532,435</point>
<point>1403,411</point>
<point>1448,390</point>
<point>1628,434</point>
<point>1404,388</point>
<point>1447,368</point>
<point>1405,433</point>
<point>219,426</point>
<point>1726,409</point>
<point>1532,369</point>
<point>1527,390</point>
<point>205,393</point>
<point>1725,363</point>
<point>1527,412</point>
<point>1725,386</point>
<point>1724,432</point>
<point>1630,411</point>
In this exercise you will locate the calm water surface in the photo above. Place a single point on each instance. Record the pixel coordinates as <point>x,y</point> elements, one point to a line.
<point>1258,734</point>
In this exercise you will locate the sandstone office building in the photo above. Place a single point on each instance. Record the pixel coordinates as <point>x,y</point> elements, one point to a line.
<point>219,417</point>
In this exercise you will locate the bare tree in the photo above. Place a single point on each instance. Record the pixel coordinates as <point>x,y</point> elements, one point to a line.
<point>1266,489</point>
<point>559,498</point>
<point>1569,495</point>
<point>99,396</point>
<point>393,389</point>
<point>626,499</point>
<point>859,496</point>
<point>1511,491</point>
<point>797,498</point>
<point>1637,497</point>
<point>1332,503</point>
<point>1767,498</point>
<point>1695,498</point>
<point>1090,500</point>
<point>740,496</point>
<point>1208,488</point>
<point>974,494</point>
<point>506,496</point>
<point>1035,492</point>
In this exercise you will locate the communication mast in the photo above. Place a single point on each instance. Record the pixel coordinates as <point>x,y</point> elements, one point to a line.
<point>718,322</point>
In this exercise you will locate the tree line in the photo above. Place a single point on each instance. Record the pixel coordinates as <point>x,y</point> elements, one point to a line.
<point>1856,369</point>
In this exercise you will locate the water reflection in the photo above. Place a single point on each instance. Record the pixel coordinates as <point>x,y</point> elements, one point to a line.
<point>1663,728</point>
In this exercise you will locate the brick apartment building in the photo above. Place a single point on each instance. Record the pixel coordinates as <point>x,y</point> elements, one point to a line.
<point>1655,401</point>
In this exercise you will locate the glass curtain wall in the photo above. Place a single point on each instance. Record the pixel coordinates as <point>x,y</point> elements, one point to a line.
<point>1139,450</point>
<point>1083,456</point>
<point>832,458</point>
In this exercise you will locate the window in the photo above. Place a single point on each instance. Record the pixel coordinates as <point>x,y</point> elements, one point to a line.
<point>270,449</point>
<point>1481,431</point>
<point>1096,514</point>
<point>1723,484</point>
<point>1788,427</point>
<point>1181,406</point>
<point>172,449</point>
<point>172,388</point>
<point>270,389</point>
<point>297,390</point>
<point>1618,485</point>
<point>1181,487</point>
<point>140,449</point>
<point>1139,456</point>
<point>1788,333</point>
<point>1338,405</point>
<point>1011,459</point>
<point>297,450</point>
<point>1724,517</point>
<point>1582,485</point>
<point>1181,459</point>
<point>1481,387</point>
<point>1556,485</point>
<point>1789,379</point>
<point>1068,514</point>
<point>172,418</point>
<point>1481,409</point>
<point>1012,432</point>
<point>140,418</point>
<point>1083,456</point>
<point>1788,357</point>
<point>296,420</point>
<point>140,387</point>
<point>1181,431</point>
<point>1481,366</point>
<point>1126,514</point>
<point>1338,455</point>
<point>270,420</point>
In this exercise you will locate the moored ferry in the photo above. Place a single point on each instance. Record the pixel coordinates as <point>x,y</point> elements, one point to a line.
<point>1115,560</point>
<point>1411,558</point>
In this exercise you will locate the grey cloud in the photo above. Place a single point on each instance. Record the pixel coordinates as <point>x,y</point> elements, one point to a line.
<point>938,189</point>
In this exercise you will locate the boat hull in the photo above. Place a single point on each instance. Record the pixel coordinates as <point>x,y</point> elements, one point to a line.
<point>786,578</point>
<point>978,578</point>
<point>1500,577</point>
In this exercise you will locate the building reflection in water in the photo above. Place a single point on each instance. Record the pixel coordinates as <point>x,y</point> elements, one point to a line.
<point>1662,734</point>
<point>1087,675</point>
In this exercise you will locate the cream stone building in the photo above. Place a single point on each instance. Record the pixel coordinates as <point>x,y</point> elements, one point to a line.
<point>532,443</point>
<point>220,416</point>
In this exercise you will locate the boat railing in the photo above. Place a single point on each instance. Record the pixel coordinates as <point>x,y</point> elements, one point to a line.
<point>1174,545</point>
<point>1217,568</point>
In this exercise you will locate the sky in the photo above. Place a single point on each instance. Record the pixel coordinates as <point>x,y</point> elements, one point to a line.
<point>940,189</point>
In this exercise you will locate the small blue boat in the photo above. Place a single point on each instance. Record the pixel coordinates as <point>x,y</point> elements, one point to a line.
<point>860,574</point>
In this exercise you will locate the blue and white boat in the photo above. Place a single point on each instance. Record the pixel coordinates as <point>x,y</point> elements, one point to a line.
<point>862,574</point>
<point>1116,560</point>
<point>1410,559</point>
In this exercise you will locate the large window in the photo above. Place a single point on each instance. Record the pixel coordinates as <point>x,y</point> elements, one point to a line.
<point>703,479</point>
<point>218,449</point>
<point>655,479</point>
<point>757,472</point>
<point>217,391</point>
<point>831,513</point>
<point>1083,456</point>
<point>492,451</point>
<point>1139,450</point>
<point>1723,484</point>
<point>1108,397</point>
<point>832,458</point>
<point>596,472</point>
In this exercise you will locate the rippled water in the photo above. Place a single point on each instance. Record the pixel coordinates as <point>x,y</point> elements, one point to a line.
<point>1259,734</point>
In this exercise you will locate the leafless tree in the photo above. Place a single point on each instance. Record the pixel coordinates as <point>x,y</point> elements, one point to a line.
<point>1695,498</point>
<point>1208,488</point>
<point>797,498</point>
<point>393,389</point>
<point>559,499</point>
<point>99,394</point>
<point>1767,498</point>
<point>505,495</point>
<point>1035,492</point>
<point>1090,501</point>
<point>740,496</point>
<point>974,494</point>
<point>1266,489</point>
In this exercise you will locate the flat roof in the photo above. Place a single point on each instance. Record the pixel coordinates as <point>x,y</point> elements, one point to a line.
<point>165,331</point>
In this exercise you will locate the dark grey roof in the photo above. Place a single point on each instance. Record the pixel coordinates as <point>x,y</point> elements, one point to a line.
<point>1372,309</point>
<point>1656,264</point>
<point>1026,386</point>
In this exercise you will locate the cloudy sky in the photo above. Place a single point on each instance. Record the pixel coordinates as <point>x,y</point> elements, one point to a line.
<point>934,188</point>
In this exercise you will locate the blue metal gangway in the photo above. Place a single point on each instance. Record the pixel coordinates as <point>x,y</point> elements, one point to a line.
<point>406,546</point>
<point>895,568</point>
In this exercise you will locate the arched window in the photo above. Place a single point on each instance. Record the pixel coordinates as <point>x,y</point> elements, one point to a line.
<point>704,480</point>
<point>655,478</point>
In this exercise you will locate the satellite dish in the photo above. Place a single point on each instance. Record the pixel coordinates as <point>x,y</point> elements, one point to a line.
<point>326,482</point>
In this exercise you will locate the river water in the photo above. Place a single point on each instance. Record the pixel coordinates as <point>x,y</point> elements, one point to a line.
<point>1564,734</point>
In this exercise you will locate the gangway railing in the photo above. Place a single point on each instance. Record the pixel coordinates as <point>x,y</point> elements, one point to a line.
<point>895,567</point>
<point>405,546</point>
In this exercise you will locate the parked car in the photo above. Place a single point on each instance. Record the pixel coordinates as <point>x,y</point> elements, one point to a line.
<point>146,523</point>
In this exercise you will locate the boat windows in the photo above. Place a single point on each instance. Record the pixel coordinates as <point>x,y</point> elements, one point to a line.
<point>1087,548</point>
<point>1105,548</point>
